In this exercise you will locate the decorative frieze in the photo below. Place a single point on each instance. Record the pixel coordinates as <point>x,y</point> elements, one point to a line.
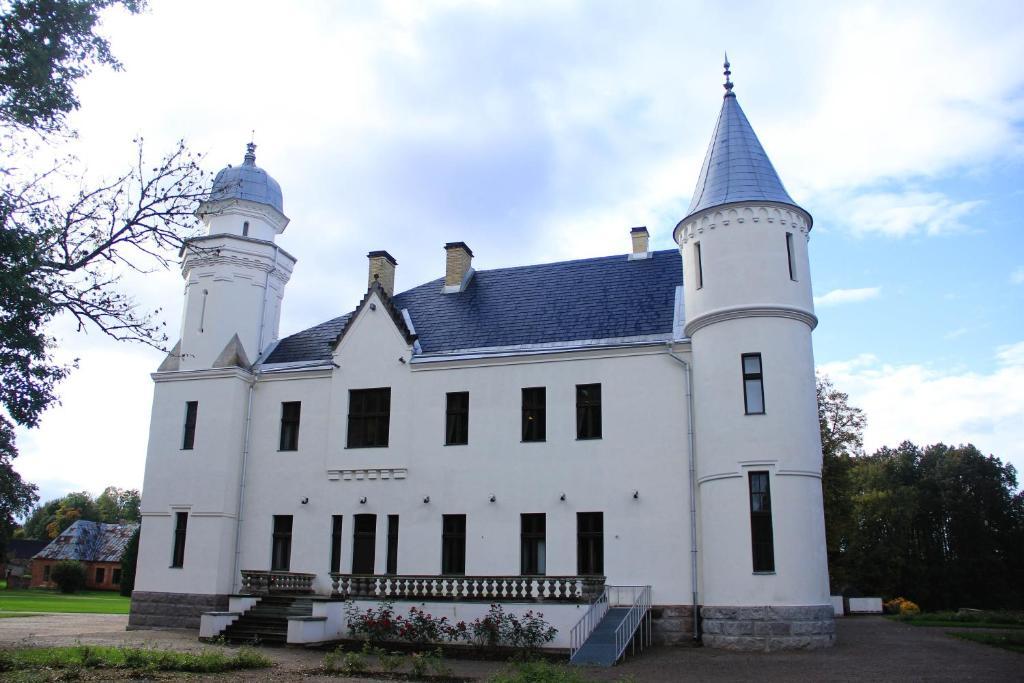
<point>368,474</point>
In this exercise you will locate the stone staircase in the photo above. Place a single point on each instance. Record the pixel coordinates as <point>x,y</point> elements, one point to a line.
<point>267,622</point>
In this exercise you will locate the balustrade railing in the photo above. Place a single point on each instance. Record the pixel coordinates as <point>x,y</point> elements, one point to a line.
<point>256,582</point>
<point>468,588</point>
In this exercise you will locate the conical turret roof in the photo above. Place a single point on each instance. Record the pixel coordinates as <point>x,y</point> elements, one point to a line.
<point>736,168</point>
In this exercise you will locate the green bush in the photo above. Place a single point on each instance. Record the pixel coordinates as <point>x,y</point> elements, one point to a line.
<point>69,575</point>
<point>128,562</point>
<point>537,672</point>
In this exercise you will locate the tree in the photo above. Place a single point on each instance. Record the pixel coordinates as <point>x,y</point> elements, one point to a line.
<point>69,575</point>
<point>16,495</point>
<point>128,562</point>
<point>53,517</point>
<point>118,506</point>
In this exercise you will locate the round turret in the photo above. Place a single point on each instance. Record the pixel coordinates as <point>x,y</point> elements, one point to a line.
<point>244,201</point>
<point>249,182</point>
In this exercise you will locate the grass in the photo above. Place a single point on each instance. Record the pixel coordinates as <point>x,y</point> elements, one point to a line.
<point>81,657</point>
<point>1007,641</point>
<point>39,600</point>
<point>1002,619</point>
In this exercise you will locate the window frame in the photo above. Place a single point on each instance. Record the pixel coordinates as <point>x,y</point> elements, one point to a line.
<point>188,439</point>
<point>179,538</point>
<point>698,265</point>
<point>453,545</point>
<point>289,438</point>
<point>791,256</point>
<point>589,545</point>
<point>533,544</point>
<point>281,543</point>
<point>456,419</point>
<point>534,414</point>
<point>364,544</point>
<point>588,406</point>
<point>762,533</point>
<point>752,377</point>
<point>358,432</point>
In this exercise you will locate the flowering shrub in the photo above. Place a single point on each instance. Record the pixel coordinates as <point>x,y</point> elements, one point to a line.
<point>901,606</point>
<point>374,624</point>
<point>498,628</point>
<point>418,627</point>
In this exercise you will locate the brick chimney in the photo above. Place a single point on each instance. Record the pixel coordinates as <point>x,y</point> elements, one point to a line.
<point>641,241</point>
<point>458,262</point>
<point>382,269</point>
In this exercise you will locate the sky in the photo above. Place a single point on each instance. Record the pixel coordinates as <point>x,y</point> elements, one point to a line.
<point>543,131</point>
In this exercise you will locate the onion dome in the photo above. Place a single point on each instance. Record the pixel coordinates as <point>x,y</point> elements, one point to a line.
<point>249,182</point>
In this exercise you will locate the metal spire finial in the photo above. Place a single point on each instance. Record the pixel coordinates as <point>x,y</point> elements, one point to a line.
<point>250,153</point>
<point>728,83</point>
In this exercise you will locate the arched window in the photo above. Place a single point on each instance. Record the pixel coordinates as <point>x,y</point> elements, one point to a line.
<point>245,229</point>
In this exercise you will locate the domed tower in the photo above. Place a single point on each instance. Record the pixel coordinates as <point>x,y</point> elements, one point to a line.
<point>750,313</point>
<point>235,275</point>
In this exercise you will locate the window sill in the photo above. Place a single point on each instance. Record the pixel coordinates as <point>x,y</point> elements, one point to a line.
<point>771,573</point>
<point>534,441</point>
<point>353,448</point>
<point>287,450</point>
<point>761,413</point>
<point>457,444</point>
<point>589,438</point>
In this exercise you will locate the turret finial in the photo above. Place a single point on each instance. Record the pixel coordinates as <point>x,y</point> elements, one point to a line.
<point>728,83</point>
<point>250,154</point>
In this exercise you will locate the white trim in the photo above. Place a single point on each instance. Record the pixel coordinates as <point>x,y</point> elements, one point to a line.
<point>461,287</point>
<point>813,474</point>
<point>368,474</point>
<point>720,475</point>
<point>638,256</point>
<point>208,373</point>
<point>751,311</point>
<point>416,348</point>
<point>679,315</point>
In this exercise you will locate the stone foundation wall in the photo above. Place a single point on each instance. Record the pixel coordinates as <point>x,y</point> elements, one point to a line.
<point>672,625</point>
<point>172,610</point>
<point>768,628</point>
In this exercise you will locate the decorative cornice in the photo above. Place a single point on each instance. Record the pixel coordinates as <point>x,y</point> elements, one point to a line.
<point>754,311</point>
<point>740,212</point>
<point>206,373</point>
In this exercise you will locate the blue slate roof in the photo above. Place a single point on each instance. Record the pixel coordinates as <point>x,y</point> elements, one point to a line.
<point>89,542</point>
<point>610,297</point>
<point>736,167</point>
<point>247,181</point>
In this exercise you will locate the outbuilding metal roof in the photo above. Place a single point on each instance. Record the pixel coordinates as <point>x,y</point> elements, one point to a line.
<point>588,300</point>
<point>89,542</point>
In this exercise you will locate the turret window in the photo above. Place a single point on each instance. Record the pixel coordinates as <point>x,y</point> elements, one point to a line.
<point>753,384</point>
<point>698,268</point>
<point>191,414</point>
<point>180,530</point>
<point>789,256</point>
<point>245,229</point>
<point>761,537</point>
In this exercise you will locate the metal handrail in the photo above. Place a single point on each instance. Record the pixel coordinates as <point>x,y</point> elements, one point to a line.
<point>639,614</point>
<point>588,622</point>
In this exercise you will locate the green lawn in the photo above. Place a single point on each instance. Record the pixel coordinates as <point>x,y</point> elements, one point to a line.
<point>1001,619</point>
<point>1008,641</point>
<point>38,600</point>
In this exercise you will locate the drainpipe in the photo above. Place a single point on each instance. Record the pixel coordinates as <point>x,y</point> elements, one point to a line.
<point>235,575</point>
<point>693,488</point>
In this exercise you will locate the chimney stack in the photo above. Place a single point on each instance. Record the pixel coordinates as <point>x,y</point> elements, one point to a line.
<point>458,263</point>
<point>382,269</point>
<point>641,239</point>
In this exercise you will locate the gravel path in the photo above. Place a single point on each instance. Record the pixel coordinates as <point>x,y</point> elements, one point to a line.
<point>869,648</point>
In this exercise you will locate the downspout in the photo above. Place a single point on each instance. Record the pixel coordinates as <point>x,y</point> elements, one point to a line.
<point>235,575</point>
<point>693,489</point>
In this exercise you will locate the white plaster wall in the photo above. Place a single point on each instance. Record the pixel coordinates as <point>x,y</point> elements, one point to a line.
<point>202,482</point>
<point>643,448</point>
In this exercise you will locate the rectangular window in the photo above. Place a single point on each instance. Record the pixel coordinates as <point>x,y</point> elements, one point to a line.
<point>762,542</point>
<point>588,411</point>
<point>281,552</point>
<point>532,537</point>
<point>698,267</point>
<point>392,558</point>
<point>290,411</point>
<point>590,543</point>
<point>453,544</point>
<point>369,415</point>
<point>191,413</point>
<point>336,543</point>
<point>46,573</point>
<point>180,527</point>
<point>115,577</point>
<point>753,385</point>
<point>364,542</point>
<point>456,418</point>
<point>534,427</point>
<point>789,256</point>
<point>101,575</point>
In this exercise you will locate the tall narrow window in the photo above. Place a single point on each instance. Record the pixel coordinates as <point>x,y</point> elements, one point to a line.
<point>588,411</point>
<point>281,551</point>
<point>364,542</point>
<point>789,256</point>
<point>101,574</point>
<point>453,544</point>
<point>391,566</point>
<point>589,543</point>
<point>533,551</point>
<point>762,541</point>
<point>245,229</point>
<point>191,414</point>
<point>698,267</point>
<point>336,543</point>
<point>456,418</point>
<point>534,427</point>
<point>753,384</point>
<point>180,527</point>
<point>369,415</point>
<point>290,411</point>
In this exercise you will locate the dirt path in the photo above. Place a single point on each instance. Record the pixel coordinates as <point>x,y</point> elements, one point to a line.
<point>869,648</point>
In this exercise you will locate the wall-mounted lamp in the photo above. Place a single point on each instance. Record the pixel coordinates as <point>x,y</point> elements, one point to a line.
<point>373,307</point>
<point>401,359</point>
<point>493,498</point>
<point>305,500</point>
<point>562,498</point>
<point>362,501</point>
<point>426,499</point>
<point>636,495</point>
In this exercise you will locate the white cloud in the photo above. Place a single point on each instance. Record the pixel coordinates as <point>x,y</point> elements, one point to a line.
<point>928,405</point>
<point>847,296</point>
<point>1017,276</point>
<point>904,214</point>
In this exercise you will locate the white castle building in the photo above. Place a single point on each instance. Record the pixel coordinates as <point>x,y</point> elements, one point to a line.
<point>631,437</point>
